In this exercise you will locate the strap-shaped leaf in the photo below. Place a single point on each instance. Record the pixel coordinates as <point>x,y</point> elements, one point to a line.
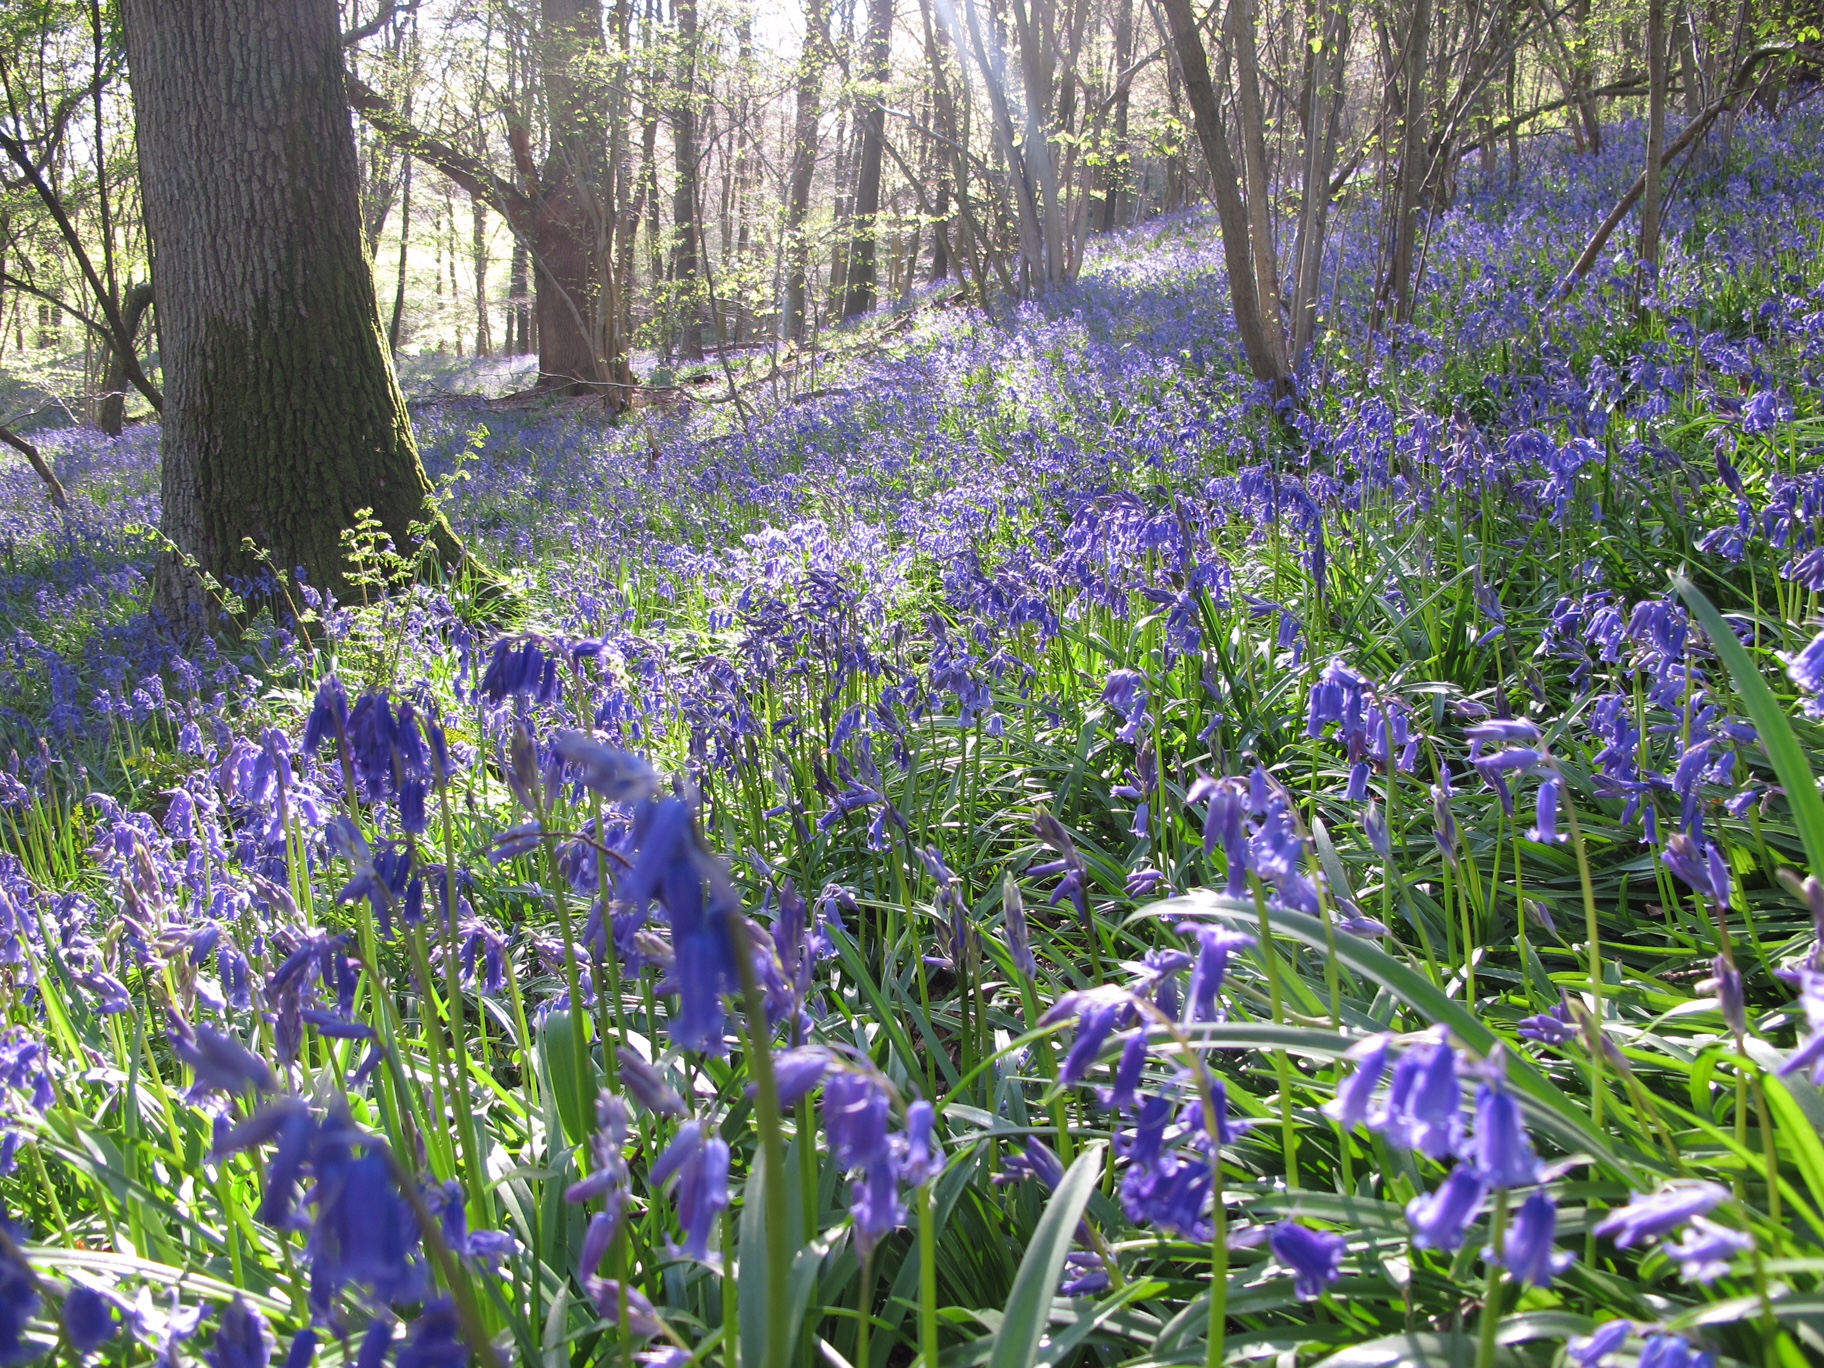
<point>1036,1284</point>
<point>1782,747</point>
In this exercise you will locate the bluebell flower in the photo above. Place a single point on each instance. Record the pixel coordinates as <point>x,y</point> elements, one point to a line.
<point>303,1349</point>
<point>521,667</point>
<point>671,867</point>
<point>1706,1250</point>
<point>1126,693</point>
<point>614,1299</point>
<point>1545,827</point>
<point>1315,1257</point>
<point>328,719</point>
<point>18,1303</point>
<point>1095,1022</point>
<point>376,1344</point>
<point>1503,1150</point>
<point>1216,945</point>
<point>365,1232</point>
<point>920,1155</point>
<point>1650,1216</point>
<point>647,1084</point>
<point>219,1062</point>
<point>1424,1108</point>
<point>1552,1027</point>
<point>90,1318</point>
<point>1726,982</point>
<point>1440,1219</point>
<point>1374,826</point>
<point>1032,1162</point>
<point>1354,1098</point>
<point>698,1166</point>
<point>1700,865</point>
<point>1595,1349</point>
<point>242,1340</point>
<point>1673,1351</point>
<point>614,774</point>
<point>798,1071</point>
<point>1528,1250</point>
<point>435,1339</point>
<point>1127,1074</point>
<point>1085,1275</point>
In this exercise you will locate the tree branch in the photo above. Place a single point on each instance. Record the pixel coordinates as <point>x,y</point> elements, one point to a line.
<point>39,464</point>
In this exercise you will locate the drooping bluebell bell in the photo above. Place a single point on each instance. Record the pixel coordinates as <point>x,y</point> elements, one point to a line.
<point>303,1349</point>
<point>90,1318</point>
<point>364,1232</point>
<point>1354,1098</point>
<point>1424,1109</point>
<point>521,667</point>
<point>1707,1250</point>
<point>1545,826</point>
<point>1315,1257</point>
<point>435,1340</point>
<point>695,1167</point>
<point>243,1339</point>
<point>1085,1275</point>
<point>376,1344</point>
<point>1224,825</point>
<point>1596,1349</point>
<point>647,1084</point>
<point>1016,928</point>
<point>1216,945</point>
<point>219,1062</point>
<point>1726,982</point>
<point>19,1300</point>
<point>1126,692</point>
<point>614,774</point>
<point>613,1300</point>
<point>1649,1216</point>
<point>1096,1020</point>
<point>1074,884</point>
<point>1673,1351</point>
<point>1553,1027</point>
<point>1528,1250</point>
<point>1700,865</point>
<point>1374,827</point>
<point>798,1071</point>
<point>1440,1219</point>
<point>919,1154</point>
<point>1503,1150</point>
<point>1127,1074</point>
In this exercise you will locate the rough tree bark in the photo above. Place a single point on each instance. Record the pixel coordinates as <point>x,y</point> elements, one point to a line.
<point>688,238</point>
<point>112,415</point>
<point>1656,135</point>
<point>1231,211</point>
<point>282,417</point>
<point>876,51</point>
<point>1414,159</point>
<point>804,163</point>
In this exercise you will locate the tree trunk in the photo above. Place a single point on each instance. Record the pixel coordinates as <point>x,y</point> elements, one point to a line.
<point>1325,68</point>
<point>1118,173</point>
<point>876,51</point>
<point>282,419</point>
<point>395,328</point>
<point>1260,190</point>
<point>1413,159</point>
<point>686,243</point>
<point>804,163</point>
<point>1231,210</point>
<point>1656,140</point>
<point>519,309</point>
<point>111,416</point>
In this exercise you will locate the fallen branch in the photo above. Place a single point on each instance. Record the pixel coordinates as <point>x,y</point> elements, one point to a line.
<point>39,464</point>
<point>1679,145</point>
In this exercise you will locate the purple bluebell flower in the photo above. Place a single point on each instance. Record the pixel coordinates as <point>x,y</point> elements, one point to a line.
<point>1806,669</point>
<point>798,1072</point>
<point>376,1344</point>
<point>303,1349</point>
<point>613,1300</point>
<point>1355,1094</point>
<point>435,1339</point>
<point>695,1167</point>
<point>1673,1351</point>
<point>646,1084</point>
<point>1528,1250</point>
<point>1424,1108</point>
<point>219,1062</point>
<point>1216,945</point>
<point>1440,1219</point>
<point>1315,1257</point>
<point>1374,827</point>
<point>1126,693</point>
<point>614,774</point>
<point>1549,1028</point>
<point>1503,1150</point>
<point>1223,825</point>
<point>1545,827</point>
<point>1127,1074</point>
<point>1084,1275</point>
<point>1595,1349</point>
<point>1014,924</point>
<point>1726,982</point>
<point>243,1339</point>
<point>1700,865</point>
<point>90,1318</point>
<point>921,1156</point>
<point>1706,1250</point>
<point>1647,1217</point>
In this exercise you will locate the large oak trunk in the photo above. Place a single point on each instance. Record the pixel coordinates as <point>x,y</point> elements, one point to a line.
<point>281,418</point>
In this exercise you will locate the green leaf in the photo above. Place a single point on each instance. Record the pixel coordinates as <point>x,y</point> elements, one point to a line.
<point>753,1309</point>
<point>1036,1284</point>
<point>1781,745</point>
